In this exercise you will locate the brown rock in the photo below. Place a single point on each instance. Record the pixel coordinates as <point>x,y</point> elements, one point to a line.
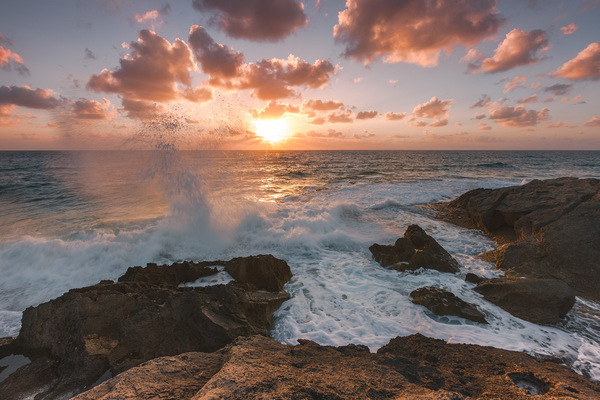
<point>549,229</point>
<point>415,250</point>
<point>443,302</point>
<point>542,301</point>
<point>114,326</point>
<point>413,367</point>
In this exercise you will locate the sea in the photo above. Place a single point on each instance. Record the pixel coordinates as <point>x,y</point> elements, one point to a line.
<point>71,219</point>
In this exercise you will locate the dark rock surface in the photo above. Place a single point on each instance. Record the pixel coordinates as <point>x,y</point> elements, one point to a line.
<point>548,229</point>
<point>413,251</point>
<point>114,326</point>
<point>443,302</point>
<point>413,367</point>
<point>542,301</point>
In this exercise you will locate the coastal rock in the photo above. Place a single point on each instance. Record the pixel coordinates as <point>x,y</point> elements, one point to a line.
<point>548,229</point>
<point>542,301</point>
<point>443,302</point>
<point>113,326</point>
<point>412,367</point>
<point>413,251</point>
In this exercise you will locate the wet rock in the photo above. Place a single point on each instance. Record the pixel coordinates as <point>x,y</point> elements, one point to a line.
<point>548,229</point>
<point>443,302</point>
<point>413,367</point>
<point>114,326</point>
<point>415,250</point>
<point>472,278</point>
<point>542,301</point>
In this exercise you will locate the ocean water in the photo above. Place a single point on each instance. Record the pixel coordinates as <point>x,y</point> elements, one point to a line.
<point>71,219</point>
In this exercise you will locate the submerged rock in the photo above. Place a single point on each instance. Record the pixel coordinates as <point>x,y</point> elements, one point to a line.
<point>542,301</point>
<point>548,229</point>
<point>114,326</point>
<point>415,250</point>
<point>413,367</point>
<point>443,302</point>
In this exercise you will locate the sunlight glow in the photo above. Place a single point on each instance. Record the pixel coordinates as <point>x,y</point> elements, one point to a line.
<point>272,130</point>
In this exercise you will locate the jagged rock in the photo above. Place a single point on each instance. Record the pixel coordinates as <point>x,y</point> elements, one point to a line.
<point>413,367</point>
<point>542,301</point>
<point>443,302</point>
<point>415,250</point>
<point>549,229</point>
<point>114,326</point>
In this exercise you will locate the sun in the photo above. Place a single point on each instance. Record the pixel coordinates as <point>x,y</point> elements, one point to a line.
<point>272,130</point>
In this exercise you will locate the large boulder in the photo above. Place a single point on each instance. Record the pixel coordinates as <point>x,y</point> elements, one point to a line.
<point>442,302</point>
<point>112,326</point>
<point>413,367</point>
<point>547,229</point>
<point>542,301</point>
<point>413,251</point>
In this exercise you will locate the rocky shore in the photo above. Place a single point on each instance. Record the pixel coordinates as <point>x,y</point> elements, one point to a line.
<point>160,333</point>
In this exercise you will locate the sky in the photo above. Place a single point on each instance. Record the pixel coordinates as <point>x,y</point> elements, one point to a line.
<point>286,74</point>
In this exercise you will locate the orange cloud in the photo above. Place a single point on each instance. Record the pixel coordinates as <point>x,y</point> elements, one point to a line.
<point>518,48</point>
<point>585,66</point>
<point>433,108</point>
<point>10,59</point>
<point>569,29</point>
<point>153,17</point>
<point>199,94</point>
<point>320,105</point>
<point>480,116</point>
<point>331,133</point>
<point>275,110</point>
<point>260,20</point>
<point>531,99</point>
<point>392,116</point>
<point>516,82</point>
<point>344,117</point>
<point>367,114</point>
<point>91,110</point>
<point>24,96</point>
<point>594,122</point>
<point>484,127</point>
<point>150,72</point>
<point>518,116</point>
<point>318,121</point>
<point>439,122</point>
<point>413,31</point>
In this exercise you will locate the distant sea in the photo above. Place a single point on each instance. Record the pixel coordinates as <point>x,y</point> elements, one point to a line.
<point>71,219</point>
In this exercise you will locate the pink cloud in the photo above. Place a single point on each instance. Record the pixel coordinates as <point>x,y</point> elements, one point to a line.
<point>261,20</point>
<point>483,102</point>
<point>413,31</point>
<point>216,59</point>
<point>343,117</point>
<point>9,59</point>
<point>516,82</point>
<point>531,99</point>
<point>418,123</point>
<point>274,78</point>
<point>367,114</point>
<point>152,17</point>
<point>518,116</point>
<point>24,96</point>
<point>433,108</point>
<point>320,105</point>
<point>143,110</point>
<point>91,110</point>
<point>439,122</point>
<point>392,116</point>
<point>569,29</point>
<point>480,116</point>
<point>555,125</point>
<point>150,72</point>
<point>585,66</point>
<point>275,110</point>
<point>484,127</point>
<point>558,89</point>
<point>518,48</point>
<point>594,122</point>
